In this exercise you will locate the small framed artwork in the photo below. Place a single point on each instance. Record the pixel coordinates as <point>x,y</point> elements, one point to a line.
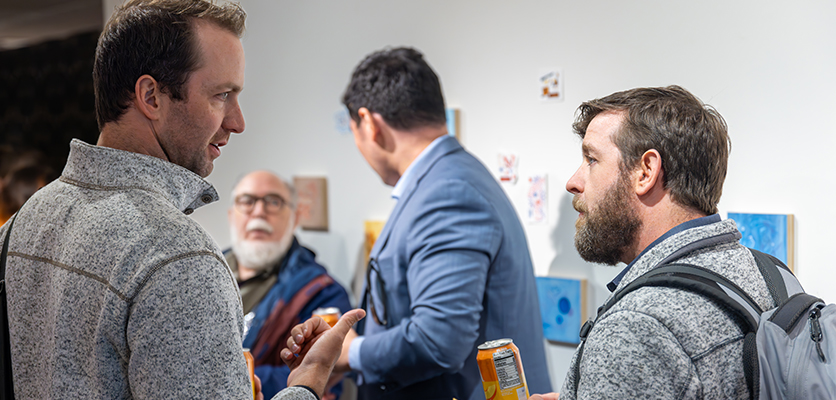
<point>562,308</point>
<point>313,202</point>
<point>453,125</point>
<point>769,233</point>
<point>372,230</point>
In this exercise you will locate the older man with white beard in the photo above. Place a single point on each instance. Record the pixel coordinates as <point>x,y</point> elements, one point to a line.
<point>281,284</point>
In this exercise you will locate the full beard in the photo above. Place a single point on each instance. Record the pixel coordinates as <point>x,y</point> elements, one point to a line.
<point>258,255</point>
<point>607,232</point>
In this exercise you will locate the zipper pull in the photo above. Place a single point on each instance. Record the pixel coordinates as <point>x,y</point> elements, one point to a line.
<point>815,331</point>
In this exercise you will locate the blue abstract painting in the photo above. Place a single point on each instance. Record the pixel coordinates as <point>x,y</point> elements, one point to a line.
<point>452,122</point>
<point>562,308</point>
<point>769,233</point>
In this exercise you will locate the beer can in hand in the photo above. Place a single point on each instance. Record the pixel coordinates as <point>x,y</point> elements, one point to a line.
<point>251,368</point>
<point>502,372</point>
<point>330,314</point>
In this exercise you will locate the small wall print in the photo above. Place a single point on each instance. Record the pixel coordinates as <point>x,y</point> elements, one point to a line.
<point>562,307</point>
<point>769,233</point>
<point>537,198</point>
<point>551,85</point>
<point>313,202</point>
<point>508,170</point>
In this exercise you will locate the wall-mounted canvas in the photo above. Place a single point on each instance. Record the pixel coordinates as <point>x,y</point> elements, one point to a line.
<point>562,308</point>
<point>769,233</point>
<point>453,122</point>
<point>372,230</point>
<point>313,202</point>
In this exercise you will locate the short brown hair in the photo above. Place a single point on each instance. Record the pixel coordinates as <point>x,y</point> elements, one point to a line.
<point>691,137</point>
<point>154,37</point>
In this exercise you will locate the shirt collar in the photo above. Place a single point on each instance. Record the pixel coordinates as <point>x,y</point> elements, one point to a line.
<point>702,221</point>
<point>406,178</point>
<point>111,169</point>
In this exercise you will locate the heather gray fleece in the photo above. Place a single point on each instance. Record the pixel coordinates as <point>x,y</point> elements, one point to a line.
<point>114,293</point>
<point>662,343</point>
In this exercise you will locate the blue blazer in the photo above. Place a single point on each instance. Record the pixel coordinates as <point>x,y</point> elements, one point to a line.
<point>454,261</point>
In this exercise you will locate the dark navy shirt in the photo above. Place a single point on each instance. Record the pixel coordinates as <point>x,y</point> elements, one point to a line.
<point>713,218</point>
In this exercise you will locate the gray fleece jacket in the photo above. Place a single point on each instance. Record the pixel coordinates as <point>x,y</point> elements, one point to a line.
<point>662,343</point>
<point>114,293</point>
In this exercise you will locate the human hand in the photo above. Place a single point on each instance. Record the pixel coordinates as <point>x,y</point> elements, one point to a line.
<point>313,348</point>
<point>547,396</point>
<point>342,363</point>
<point>257,381</point>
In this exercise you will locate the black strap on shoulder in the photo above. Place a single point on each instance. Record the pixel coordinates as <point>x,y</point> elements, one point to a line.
<point>768,265</point>
<point>697,280</point>
<point>6,384</point>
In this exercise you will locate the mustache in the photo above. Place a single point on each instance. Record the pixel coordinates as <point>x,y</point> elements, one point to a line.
<point>259,224</point>
<point>578,204</point>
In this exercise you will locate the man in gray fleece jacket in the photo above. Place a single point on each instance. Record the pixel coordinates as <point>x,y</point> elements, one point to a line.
<point>654,162</point>
<point>113,291</point>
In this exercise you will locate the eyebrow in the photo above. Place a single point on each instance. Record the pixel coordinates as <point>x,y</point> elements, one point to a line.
<point>588,149</point>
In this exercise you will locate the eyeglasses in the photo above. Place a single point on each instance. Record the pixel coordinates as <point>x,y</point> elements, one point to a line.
<point>381,292</point>
<point>272,203</point>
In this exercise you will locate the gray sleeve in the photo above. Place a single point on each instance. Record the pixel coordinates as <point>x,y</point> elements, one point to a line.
<point>294,393</point>
<point>184,333</point>
<point>630,355</point>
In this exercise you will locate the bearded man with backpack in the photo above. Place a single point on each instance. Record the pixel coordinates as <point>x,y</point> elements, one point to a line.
<point>654,162</point>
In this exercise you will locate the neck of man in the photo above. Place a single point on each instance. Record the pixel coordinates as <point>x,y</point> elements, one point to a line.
<point>410,144</point>
<point>658,220</point>
<point>245,273</point>
<point>132,132</point>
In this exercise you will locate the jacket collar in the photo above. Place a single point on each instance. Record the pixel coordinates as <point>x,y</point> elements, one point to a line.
<point>105,168</point>
<point>419,169</point>
<point>680,245</point>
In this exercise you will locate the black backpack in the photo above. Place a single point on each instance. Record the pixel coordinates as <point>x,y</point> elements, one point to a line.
<point>788,351</point>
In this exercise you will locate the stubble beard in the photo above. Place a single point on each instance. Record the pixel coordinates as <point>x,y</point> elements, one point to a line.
<point>183,152</point>
<point>608,231</point>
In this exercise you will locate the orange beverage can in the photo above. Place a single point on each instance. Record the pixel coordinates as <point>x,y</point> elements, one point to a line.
<point>250,367</point>
<point>502,372</point>
<point>330,314</point>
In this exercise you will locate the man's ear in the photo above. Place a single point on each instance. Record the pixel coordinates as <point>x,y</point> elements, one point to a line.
<point>649,172</point>
<point>147,97</point>
<point>371,125</point>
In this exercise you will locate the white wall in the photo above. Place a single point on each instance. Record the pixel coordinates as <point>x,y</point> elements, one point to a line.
<point>766,66</point>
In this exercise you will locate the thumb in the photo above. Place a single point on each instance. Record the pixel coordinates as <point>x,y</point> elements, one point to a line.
<point>348,320</point>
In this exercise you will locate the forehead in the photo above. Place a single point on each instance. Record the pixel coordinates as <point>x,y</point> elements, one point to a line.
<point>600,134</point>
<point>221,59</point>
<point>260,184</point>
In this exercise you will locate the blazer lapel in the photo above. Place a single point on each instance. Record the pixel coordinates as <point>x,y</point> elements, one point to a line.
<point>448,145</point>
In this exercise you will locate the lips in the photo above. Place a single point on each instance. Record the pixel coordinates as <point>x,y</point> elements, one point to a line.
<point>216,147</point>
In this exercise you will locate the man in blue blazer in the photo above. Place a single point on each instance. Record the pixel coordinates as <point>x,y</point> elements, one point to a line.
<point>451,268</point>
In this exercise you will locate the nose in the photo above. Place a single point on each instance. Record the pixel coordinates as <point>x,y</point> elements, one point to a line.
<point>258,209</point>
<point>575,184</point>
<point>234,120</point>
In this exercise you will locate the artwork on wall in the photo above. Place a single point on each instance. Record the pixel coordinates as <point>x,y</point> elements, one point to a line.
<point>453,122</point>
<point>342,121</point>
<point>551,85</point>
<point>537,197</point>
<point>313,202</point>
<point>508,167</point>
<point>372,230</point>
<point>562,308</point>
<point>769,233</point>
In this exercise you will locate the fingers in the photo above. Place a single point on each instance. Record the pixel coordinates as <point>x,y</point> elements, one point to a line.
<point>547,396</point>
<point>348,320</point>
<point>257,381</point>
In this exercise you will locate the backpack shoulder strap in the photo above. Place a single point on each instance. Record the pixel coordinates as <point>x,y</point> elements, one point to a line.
<point>690,278</point>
